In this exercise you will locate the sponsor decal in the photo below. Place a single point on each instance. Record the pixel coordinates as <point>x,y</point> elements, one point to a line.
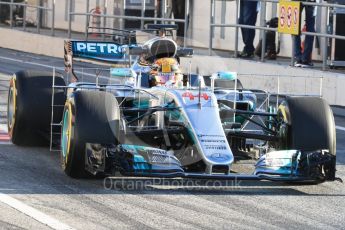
<point>215,147</point>
<point>220,156</point>
<point>149,150</point>
<point>276,162</point>
<point>192,96</point>
<point>209,135</point>
<point>213,141</point>
<point>156,151</point>
<point>102,51</point>
<point>103,48</point>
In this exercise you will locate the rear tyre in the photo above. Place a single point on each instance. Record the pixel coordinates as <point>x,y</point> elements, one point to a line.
<point>29,106</point>
<point>89,117</point>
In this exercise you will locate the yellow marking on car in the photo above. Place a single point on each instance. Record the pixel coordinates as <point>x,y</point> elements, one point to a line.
<point>282,109</point>
<point>13,87</point>
<point>69,128</point>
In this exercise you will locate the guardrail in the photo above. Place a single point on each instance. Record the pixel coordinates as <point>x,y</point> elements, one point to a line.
<point>142,18</point>
<point>325,36</point>
<point>25,5</point>
<point>262,27</point>
<point>88,15</point>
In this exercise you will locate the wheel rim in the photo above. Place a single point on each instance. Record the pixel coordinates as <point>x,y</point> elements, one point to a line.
<point>283,130</point>
<point>11,106</point>
<point>66,133</point>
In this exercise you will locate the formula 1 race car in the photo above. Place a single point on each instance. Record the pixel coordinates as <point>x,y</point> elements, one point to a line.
<point>152,119</point>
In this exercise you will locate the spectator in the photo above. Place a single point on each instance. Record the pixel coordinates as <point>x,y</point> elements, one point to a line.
<point>248,15</point>
<point>178,9</point>
<point>303,59</point>
<point>159,9</point>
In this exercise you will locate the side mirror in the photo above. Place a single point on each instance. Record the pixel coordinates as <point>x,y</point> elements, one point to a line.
<point>185,52</point>
<point>225,80</point>
<point>135,50</point>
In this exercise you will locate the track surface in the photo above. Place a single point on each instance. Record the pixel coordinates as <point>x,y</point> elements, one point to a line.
<point>33,177</point>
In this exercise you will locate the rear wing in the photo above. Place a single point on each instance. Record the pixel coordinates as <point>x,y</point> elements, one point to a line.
<point>106,52</point>
<point>98,51</point>
<point>112,51</point>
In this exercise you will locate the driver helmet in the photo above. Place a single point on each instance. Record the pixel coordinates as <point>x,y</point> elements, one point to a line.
<point>165,71</point>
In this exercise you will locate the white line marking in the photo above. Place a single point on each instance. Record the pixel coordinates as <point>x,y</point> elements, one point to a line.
<point>47,66</point>
<point>6,143</point>
<point>28,62</point>
<point>33,213</point>
<point>340,128</point>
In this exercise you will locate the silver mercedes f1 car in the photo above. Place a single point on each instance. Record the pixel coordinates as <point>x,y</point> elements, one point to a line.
<point>152,119</point>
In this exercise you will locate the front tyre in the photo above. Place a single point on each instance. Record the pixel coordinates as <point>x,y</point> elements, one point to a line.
<point>89,117</point>
<point>307,125</point>
<point>310,124</point>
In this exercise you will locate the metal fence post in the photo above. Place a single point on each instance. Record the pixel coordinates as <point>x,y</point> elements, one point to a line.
<point>87,20</point>
<point>156,12</point>
<point>53,18</point>
<point>236,29</point>
<point>211,29</point>
<point>11,14</point>
<point>105,5</point>
<point>324,43</point>
<point>321,87</point>
<point>186,22</point>
<point>163,10</point>
<point>223,19</point>
<point>69,18</point>
<point>38,16</point>
<point>293,51</point>
<point>143,9</point>
<point>24,15</point>
<point>263,37</point>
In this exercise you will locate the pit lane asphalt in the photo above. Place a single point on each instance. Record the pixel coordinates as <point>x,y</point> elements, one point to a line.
<point>33,176</point>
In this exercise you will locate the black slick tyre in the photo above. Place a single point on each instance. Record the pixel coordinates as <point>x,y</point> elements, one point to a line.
<point>89,117</point>
<point>29,107</point>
